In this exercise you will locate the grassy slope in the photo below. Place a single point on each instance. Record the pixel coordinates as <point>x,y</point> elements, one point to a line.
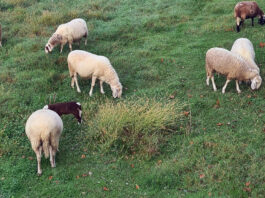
<point>158,49</point>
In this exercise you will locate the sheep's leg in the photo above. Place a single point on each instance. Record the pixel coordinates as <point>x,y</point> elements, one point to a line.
<point>85,38</point>
<point>252,20</point>
<point>214,86</point>
<point>238,23</point>
<point>51,157</point>
<point>226,83</point>
<point>73,82</point>
<point>92,85</point>
<point>61,47</point>
<point>101,87</point>
<point>76,83</point>
<point>70,46</point>
<point>38,155</point>
<point>207,80</point>
<point>237,87</point>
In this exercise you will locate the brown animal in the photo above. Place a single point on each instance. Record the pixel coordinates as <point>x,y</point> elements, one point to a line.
<point>248,9</point>
<point>67,108</point>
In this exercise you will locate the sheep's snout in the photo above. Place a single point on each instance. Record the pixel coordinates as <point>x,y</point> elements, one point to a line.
<point>262,20</point>
<point>48,49</point>
<point>256,82</point>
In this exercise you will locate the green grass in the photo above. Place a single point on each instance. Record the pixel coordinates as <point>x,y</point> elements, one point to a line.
<point>214,149</point>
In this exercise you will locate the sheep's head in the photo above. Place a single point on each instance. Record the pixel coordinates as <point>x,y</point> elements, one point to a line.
<point>116,90</point>
<point>256,82</point>
<point>262,20</point>
<point>48,48</point>
<point>53,41</point>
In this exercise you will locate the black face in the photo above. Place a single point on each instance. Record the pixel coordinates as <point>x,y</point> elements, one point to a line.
<point>262,20</point>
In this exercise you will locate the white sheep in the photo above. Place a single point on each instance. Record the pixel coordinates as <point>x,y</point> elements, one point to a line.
<point>88,65</point>
<point>232,66</point>
<point>68,32</point>
<point>244,48</point>
<point>43,129</point>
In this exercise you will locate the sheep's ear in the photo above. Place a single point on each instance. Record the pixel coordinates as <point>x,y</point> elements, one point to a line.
<point>115,93</point>
<point>59,37</point>
<point>253,84</point>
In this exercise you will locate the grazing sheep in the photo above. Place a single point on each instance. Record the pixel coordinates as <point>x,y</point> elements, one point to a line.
<point>247,9</point>
<point>67,108</point>
<point>0,36</point>
<point>88,65</point>
<point>244,48</point>
<point>232,66</point>
<point>68,32</point>
<point>43,129</point>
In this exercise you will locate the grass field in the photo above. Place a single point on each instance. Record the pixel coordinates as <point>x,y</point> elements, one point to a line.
<point>168,136</point>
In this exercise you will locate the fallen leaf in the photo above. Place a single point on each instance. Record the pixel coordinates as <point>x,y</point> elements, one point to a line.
<point>23,156</point>
<point>210,194</point>
<point>30,158</point>
<point>204,129</point>
<point>247,183</point>
<point>191,142</point>
<point>186,113</point>
<point>132,165</point>
<point>83,156</point>
<point>201,96</point>
<point>159,162</point>
<point>202,176</point>
<point>137,187</point>
<point>217,105</point>
<point>57,182</point>
<point>50,177</point>
<point>162,60</point>
<point>84,175</point>
<point>77,177</point>
<point>219,124</point>
<point>105,188</point>
<point>189,95</point>
<point>247,189</point>
<point>172,97</point>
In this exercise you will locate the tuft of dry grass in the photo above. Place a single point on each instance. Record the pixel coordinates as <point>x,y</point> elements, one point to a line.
<point>137,126</point>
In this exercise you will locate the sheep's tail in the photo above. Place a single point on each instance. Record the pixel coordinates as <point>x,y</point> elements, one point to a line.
<point>45,146</point>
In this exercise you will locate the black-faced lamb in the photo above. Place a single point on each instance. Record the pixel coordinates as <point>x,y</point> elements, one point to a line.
<point>67,108</point>
<point>245,49</point>
<point>88,65</point>
<point>247,9</point>
<point>44,128</point>
<point>232,66</point>
<point>69,32</point>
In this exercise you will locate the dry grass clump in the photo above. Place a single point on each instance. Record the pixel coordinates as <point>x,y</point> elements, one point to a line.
<point>136,126</point>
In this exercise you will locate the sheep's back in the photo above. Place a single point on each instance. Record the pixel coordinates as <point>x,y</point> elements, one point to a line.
<point>86,64</point>
<point>43,122</point>
<point>244,48</point>
<point>225,62</point>
<point>246,8</point>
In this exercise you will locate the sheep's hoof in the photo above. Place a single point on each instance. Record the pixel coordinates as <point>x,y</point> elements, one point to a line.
<point>39,174</point>
<point>239,92</point>
<point>79,91</point>
<point>102,92</point>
